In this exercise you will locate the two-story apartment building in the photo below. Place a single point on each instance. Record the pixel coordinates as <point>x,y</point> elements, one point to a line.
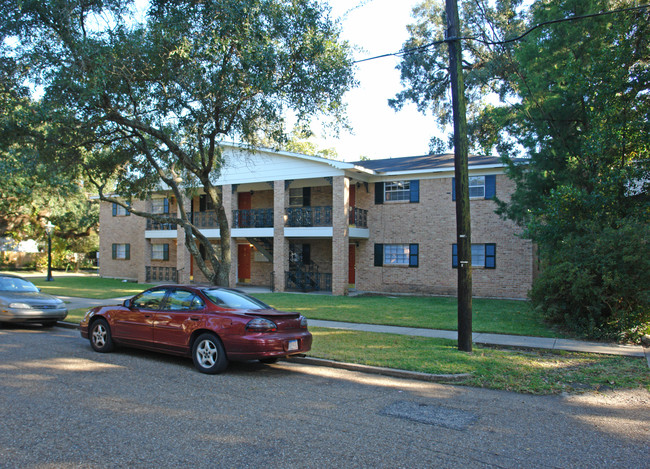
<point>306,223</point>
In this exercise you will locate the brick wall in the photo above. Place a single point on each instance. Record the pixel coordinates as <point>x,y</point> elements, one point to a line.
<point>432,224</point>
<point>122,230</point>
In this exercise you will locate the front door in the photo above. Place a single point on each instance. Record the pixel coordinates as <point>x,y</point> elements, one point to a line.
<point>244,263</point>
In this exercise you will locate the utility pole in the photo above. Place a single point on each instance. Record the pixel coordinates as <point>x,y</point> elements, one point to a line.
<point>463,226</point>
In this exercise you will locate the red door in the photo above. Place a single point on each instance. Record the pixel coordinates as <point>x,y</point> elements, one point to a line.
<point>244,262</point>
<point>352,265</point>
<point>244,200</point>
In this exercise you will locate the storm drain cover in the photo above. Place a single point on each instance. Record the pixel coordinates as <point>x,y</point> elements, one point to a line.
<point>430,414</point>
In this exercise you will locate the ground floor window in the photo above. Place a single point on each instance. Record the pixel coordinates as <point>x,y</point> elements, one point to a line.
<point>483,255</point>
<point>397,254</point>
<point>160,252</point>
<point>121,251</point>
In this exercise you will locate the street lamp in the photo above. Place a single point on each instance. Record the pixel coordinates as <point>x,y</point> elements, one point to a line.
<point>48,230</point>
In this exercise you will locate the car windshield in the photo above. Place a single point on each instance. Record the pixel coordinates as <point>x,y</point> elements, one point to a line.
<point>15,284</point>
<point>233,299</point>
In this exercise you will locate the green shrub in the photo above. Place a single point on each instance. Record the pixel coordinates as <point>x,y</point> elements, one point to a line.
<point>597,282</point>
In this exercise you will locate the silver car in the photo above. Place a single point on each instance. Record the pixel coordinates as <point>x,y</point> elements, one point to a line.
<point>21,301</point>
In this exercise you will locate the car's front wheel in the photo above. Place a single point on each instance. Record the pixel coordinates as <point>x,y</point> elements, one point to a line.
<point>208,354</point>
<point>100,336</point>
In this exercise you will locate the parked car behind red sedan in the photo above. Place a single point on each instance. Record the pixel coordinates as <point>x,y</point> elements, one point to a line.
<point>211,324</point>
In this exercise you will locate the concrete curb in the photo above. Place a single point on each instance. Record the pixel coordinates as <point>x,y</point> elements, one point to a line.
<point>377,370</point>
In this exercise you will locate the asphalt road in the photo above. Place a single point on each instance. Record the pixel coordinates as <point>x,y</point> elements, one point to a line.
<point>63,405</point>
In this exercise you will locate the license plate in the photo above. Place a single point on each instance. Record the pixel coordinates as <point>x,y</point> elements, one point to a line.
<point>293,345</point>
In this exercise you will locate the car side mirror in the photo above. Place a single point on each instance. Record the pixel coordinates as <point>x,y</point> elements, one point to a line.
<point>127,304</point>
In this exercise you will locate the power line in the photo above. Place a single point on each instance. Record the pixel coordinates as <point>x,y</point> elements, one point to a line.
<point>495,43</point>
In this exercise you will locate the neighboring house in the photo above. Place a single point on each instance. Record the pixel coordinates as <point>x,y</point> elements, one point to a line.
<point>307,223</point>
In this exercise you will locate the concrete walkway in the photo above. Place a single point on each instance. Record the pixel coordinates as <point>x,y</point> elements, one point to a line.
<point>477,337</point>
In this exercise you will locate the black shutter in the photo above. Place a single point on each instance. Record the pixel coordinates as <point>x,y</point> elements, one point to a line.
<point>414,255</point>
<point>454,255</point>
<point>379,193</point>
<point>453,188</point>
<point>127,251</point>
<point>114,250</point>
<point>379,255</point>
<point>491,256</point>
<point>415,191</point>
<point>490,186</point>
<point>306,196</point>
<point>114,211</point>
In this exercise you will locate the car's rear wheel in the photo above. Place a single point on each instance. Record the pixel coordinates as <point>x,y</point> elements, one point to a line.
<point>208,354</point>
<point>100,336</point>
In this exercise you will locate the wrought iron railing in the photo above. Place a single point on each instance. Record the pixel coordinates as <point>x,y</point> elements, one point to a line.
<point>307,277</point>
<point>308,281</point>
<point>358,217</point>
<point>161,274</point>
<point>309,216</point>
<point>156,225</point>
<point>207,219</point>
<point>256,218</point>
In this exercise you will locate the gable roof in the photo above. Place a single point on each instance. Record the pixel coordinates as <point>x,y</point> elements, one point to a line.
<point>427,163</point>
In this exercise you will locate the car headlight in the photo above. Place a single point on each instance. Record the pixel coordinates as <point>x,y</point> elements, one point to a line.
<point>303,322</point>
<point>20,306</point>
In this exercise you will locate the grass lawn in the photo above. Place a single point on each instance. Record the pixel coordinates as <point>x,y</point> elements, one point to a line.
<point>534,372</point>
<point>496,316</point>
<point>87,286</point>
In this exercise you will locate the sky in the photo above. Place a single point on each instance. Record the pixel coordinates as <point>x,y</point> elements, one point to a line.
<point>379,27</point>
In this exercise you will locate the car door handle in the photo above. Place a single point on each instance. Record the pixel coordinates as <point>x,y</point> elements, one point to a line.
<point>194,318</point>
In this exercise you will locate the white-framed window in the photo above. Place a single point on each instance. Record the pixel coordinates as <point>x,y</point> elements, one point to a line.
<point>160,252</point>
<point>397,190</point>
<point>121,251</point>
<point>119,211</point>
<point>296,197</point>
<point>160,206</point>
<point>476,187</point>
<point>396,254</point>
<point>483,255</point>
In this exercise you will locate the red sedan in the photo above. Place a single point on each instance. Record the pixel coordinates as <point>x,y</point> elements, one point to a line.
<point>212,324</point>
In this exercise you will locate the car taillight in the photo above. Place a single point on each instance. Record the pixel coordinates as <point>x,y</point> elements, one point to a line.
<point>303,322</point>
<point>261,325</point>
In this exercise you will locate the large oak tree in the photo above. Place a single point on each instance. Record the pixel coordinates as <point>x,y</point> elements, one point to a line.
<point>144,104</point>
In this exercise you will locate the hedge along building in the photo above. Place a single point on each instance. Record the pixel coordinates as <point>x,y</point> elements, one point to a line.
<point>307,223</point>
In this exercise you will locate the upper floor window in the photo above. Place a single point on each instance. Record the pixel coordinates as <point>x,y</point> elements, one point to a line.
<point>476,187</point>
<point>480,187</point>
<point>160,205</point>
<point>300,197</point>
<point>120,211</point>
<point>397,190</point>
